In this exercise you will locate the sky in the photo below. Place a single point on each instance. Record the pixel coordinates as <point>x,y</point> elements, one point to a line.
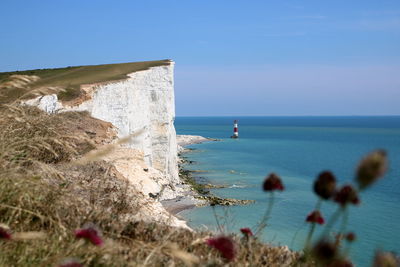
<point>249,57</point>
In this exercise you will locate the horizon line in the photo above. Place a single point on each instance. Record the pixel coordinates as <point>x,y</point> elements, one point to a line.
<point>287,115</point>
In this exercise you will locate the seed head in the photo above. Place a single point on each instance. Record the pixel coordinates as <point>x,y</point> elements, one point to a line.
<point>347,195</point>
<point>371,168</point>
<point>224,245</point>
<point>386,259</point>
<point>90,233</point>
<point>325,185</point>
<point>315,217</point>
<point>273,182</point>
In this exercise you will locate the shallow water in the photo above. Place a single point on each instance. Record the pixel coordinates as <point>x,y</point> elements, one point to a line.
<point>298,148</point>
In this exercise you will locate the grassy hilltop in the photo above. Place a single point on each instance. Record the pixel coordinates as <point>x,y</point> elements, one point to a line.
<point>71,78</point>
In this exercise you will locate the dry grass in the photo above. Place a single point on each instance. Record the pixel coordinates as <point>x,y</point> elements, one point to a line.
<point>43,190</point>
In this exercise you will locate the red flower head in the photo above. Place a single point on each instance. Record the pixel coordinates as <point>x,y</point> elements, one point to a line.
<point>5,233</point>
<point>347,195</point>
<point>224,245</point>
<point>90,233</point>
<point>246,232</point>
<point>371,168</point>
<point>273,182</point>
<point>70,263</point>
<point>350,237</point>
<point>325,185</point>
<point>315,217</point>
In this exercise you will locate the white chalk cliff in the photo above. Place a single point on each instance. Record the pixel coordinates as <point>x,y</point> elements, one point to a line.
<point>143,106</point>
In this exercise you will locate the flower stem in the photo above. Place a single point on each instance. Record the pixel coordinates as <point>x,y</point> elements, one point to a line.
<point>312,228</point>
<point>332,221</point>
<point>217,220</point>
<point>266,216</point>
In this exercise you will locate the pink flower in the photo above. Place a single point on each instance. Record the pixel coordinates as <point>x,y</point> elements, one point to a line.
<point>315,217</point>
<point>246,232</point>
<point>5,233</point>
<point>273,182</point>
<point>224,245</point>
<point>91,234</point>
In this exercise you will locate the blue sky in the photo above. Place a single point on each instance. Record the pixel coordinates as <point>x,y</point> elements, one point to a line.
<point>232,57</point>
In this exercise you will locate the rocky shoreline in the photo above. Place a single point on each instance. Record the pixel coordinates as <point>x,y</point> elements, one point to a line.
<point>199,194</point>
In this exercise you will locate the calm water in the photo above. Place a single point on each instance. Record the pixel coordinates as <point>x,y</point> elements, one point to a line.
<point>298,148</point>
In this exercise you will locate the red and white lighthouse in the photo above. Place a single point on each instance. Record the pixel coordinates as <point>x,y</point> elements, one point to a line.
<point>235,130</point>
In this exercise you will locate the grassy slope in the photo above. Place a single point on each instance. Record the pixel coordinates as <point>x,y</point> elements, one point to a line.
<point>71,78</point>
<point>43,188</point>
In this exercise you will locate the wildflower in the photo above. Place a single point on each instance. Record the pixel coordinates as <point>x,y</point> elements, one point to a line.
<point>347,195</point>
<point>325,251</point>
<point>273,182</point>
<point>386,259</point>
<point>315,217</point>
<point>325,185</point>
<point>371,168</point>
<point>90,233</point>
<point>224,245</point>
<point>350,237</point>
<point>70,263</point>
<point>5,233</point>
<point>246,232</point>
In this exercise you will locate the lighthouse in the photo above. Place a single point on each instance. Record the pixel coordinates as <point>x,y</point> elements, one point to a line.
<point>235,129</point>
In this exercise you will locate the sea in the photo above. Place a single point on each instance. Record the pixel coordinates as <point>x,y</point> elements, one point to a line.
<point>297,149</point>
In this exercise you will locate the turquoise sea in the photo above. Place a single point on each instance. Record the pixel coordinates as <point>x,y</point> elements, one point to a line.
<point>297,148</point>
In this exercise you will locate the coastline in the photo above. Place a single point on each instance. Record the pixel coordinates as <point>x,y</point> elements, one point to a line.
<point>198,194</point>
<point>187,199</point>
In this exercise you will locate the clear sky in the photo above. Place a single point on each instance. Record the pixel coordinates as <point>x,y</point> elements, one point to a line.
<point>232,57</point>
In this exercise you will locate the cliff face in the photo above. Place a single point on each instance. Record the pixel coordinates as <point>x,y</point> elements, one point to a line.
<point>143,106</point>
<point>144,103</point>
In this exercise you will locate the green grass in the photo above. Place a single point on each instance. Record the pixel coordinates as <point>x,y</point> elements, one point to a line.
<point>71,78</point>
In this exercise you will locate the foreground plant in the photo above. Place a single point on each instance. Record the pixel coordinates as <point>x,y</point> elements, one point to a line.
<point>325,188</point>
<point>90,233</point>
<point>271,184</point>
<point>225,245</point>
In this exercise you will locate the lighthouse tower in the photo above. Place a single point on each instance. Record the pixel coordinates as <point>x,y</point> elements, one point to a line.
<point>235,130</point>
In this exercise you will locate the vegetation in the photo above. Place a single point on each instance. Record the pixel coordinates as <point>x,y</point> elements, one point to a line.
<point>71,78</point>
